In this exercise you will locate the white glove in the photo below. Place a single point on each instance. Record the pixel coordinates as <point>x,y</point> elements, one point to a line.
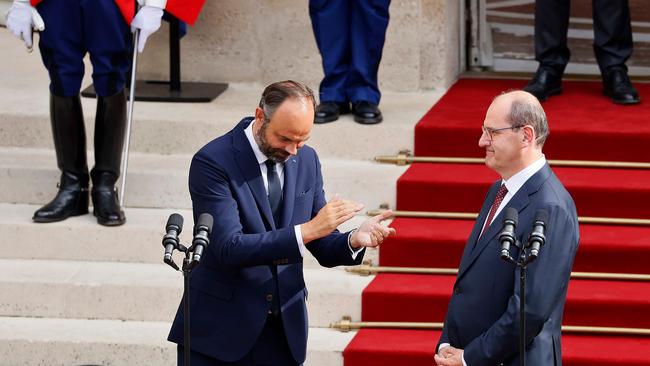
<point>21,19</point>
<point>147,21</point>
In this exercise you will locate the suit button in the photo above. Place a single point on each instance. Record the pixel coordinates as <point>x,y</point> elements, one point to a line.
<point>457,291</point>
<point>269,297</point>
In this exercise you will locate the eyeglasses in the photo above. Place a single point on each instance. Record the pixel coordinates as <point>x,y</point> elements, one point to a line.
<point>491,131</point>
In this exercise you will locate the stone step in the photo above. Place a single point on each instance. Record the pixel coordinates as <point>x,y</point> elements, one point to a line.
<point>160,181</point>
<point>143,292</point>
<point>65,342</point>
<point>81,238</point>
<point>182,128</point>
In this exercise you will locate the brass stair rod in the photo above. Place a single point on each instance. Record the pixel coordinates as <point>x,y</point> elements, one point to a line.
<point>472,216</point>
<point>346,325</point>
<point>403,159</point>
<point>366,270</point>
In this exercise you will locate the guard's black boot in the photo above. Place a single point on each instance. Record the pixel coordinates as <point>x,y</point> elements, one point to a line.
<point>69,135</point>
<point>110,125</point>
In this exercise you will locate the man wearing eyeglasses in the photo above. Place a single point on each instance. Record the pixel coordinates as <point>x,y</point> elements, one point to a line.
<point>482,322</point>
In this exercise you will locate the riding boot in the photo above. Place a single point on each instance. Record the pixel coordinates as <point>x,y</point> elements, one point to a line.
<point>110,126</point>
<point>69,135</point>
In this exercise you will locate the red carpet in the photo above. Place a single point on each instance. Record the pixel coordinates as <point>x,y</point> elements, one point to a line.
<point>424,298</point>
<point>596,192</point>
<point>584,126</point>
<point>374,347</point>
<point>439,244</point>
<point>582,122</point>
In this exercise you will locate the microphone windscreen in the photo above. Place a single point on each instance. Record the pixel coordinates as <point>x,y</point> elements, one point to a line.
<point>542,216</point>
<point>511,214</point>
<point>205,220</point>
<point>175,220</point>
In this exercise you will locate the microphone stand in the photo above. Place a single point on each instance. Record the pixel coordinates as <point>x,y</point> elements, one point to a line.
<point>187,268</point>
<point>522,262</point>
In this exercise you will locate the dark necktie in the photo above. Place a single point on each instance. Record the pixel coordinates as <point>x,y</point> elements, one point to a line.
<point>501,193</point>
<point>275,200</point>
<point>275,191</point>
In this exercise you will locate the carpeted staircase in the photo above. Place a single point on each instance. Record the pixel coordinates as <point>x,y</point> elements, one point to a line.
<point>584,126</point>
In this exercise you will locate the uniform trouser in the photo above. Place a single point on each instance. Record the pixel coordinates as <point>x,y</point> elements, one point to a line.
<point>612,32</point>
<point>76,27</point>
<point>350,36</point>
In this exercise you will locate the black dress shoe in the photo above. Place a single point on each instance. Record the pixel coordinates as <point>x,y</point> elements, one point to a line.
<point>617,85</point>
<point>366,113</point>
<point>330,111</point>
<point>546,82</point>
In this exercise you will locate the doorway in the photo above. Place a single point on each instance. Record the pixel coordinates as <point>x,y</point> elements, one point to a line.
<point>501,37</point>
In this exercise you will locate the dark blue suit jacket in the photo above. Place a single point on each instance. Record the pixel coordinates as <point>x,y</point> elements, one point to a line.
<point>483,313</point>
<point>230,289</point>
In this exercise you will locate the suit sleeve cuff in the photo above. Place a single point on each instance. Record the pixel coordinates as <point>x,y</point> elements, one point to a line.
<point>301,244</point>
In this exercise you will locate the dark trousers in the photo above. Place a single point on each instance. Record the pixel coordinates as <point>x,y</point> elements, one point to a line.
<point>350,36</point>
<point>76,27</point>
<point>270,349</point>
<point>612,32</point>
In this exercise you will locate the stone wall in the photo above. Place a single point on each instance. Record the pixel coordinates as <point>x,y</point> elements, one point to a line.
<point>267,40</point>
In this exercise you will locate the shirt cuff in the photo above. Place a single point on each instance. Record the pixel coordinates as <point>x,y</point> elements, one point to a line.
<point>353,252</point>
<point>301,244</point>
<point>443,345</point>
<point>157,3</point>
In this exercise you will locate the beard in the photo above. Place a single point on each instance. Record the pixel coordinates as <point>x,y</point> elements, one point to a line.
<point>273,153</point>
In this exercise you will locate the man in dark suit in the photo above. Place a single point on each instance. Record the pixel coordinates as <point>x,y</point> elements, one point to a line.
<point>482,323</point>
<point>264,188</point>
<point>350,36</point>
<point>612,46</point>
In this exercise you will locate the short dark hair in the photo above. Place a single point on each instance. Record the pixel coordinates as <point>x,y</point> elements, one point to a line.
<point>276,93</point>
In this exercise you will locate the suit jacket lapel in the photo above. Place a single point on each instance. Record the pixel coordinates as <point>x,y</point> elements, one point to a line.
<point>471,245</point>
<point>289,190</point>
<point>249,168</point>
<point>519,202</point>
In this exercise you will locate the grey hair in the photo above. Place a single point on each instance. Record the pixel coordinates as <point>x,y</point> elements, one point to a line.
<point>276,93</point>
<point>524,113</point>
<point>528,112</point>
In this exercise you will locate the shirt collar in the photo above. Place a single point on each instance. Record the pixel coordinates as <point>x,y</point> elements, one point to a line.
<point>259,155</point>
<point>518,180</point>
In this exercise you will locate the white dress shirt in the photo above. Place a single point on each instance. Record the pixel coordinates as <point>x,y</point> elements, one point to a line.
<point>279,167</point>
<point>516,182</point>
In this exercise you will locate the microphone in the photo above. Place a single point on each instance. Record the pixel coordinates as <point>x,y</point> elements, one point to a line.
<point>507,235</point>
<point>537,237</point>
<point>170,240</point>
<point>202,231</point>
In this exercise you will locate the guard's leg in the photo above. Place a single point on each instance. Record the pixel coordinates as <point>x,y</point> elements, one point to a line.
<point>62,52</point>
<point>109,42</point>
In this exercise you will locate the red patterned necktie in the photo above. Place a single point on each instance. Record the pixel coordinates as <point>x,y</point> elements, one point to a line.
<point>495,205</point>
